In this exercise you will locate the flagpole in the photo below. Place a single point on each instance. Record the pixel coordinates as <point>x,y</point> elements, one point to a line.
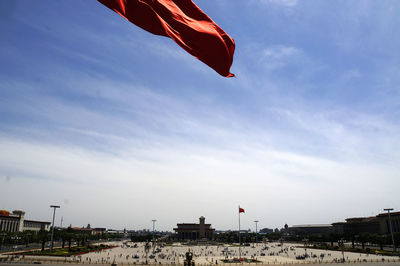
<point>240,251</point>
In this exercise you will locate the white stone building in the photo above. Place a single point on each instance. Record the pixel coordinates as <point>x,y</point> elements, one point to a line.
<point>15,222</point>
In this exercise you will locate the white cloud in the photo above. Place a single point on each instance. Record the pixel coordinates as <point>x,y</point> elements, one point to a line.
<point>270,58</point>
<point>192,176</point>
<point>280,52</point>
<point>193,156</point>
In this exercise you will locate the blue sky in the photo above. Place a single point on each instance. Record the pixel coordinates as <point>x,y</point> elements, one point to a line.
<point>120,127</point>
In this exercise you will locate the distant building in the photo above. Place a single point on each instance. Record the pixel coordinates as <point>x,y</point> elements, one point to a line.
<point>375,225</point>
<point>114,231</point>
<point>358,225</point>
<point>15,222</point>
<point>309,229</point>
<point>339,228</point>
<point>98,231</point>
<point>84,231</point>
<point>266,231</point>
<point>384,222</point>
<point>193,231</point>
<point>143,232</point>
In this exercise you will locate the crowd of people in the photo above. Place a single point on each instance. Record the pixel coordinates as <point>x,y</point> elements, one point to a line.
<point>140,253</point>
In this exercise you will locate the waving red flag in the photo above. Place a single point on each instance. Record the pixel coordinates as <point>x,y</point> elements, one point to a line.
<point>186,24</point>
<point>241,210</point>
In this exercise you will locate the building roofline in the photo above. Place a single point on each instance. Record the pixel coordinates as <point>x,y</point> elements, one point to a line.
<point>37,221</point>
<point>10,216</point>
<point>190,224</point>
<point>310,225</point>
<point>386,214</point>
<point>207,229</point>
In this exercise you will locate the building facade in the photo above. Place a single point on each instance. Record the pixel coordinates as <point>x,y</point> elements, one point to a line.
<point>384,226</point>
<point>15,222</point>
<point>193,231</point>
<point>266,231</point>
<point>99,231</point>
<point>310,229</point>
<point>375,225</point>
<point>83,231</point>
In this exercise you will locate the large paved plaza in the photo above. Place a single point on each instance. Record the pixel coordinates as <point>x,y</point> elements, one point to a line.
<point>128,253</point>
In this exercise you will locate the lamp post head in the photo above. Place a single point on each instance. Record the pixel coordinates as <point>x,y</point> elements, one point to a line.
<point>388,209</point>
<point>54,206</point>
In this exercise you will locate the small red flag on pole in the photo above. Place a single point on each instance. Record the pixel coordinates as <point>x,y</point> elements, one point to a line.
<point>186,24</point>
<point>240,244</point>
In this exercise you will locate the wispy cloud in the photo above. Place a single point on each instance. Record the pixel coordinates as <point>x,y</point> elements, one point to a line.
<point>273,171</point>
<point>280,52</point>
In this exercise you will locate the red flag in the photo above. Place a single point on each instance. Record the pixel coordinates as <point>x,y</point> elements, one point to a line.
<point>185,23</point>
<point>241,210</point>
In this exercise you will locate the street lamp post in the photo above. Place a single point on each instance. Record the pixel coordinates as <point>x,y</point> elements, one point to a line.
<point>256,230</point>
<point>52,229</point>
<point>390,226</point>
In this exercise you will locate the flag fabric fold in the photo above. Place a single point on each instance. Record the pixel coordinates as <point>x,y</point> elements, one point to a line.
<point>185,23</point>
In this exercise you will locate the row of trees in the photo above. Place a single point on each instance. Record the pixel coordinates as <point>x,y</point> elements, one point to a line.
<point>143,238</point>
<point>69,237</point>
<point>233,237</point>
<point>356,239</point>
<point>65,236</point>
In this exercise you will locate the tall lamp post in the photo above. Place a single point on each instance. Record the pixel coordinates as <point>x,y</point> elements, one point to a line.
<point>256,230</point>
<point>52,228</point>
<point>390,226</point>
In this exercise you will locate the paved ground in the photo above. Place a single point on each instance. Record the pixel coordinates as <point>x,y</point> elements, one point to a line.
<point>318,264</point>
<point>271,253</point>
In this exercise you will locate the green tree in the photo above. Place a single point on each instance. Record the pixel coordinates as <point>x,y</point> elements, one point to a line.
<point>380,240</point>
<point>333,237</point>
<point>364,238</point>
<point>43,237</point>
<point>26,236</point>
<point>396,239</point>
<point>69,236</point>
<point>64,237</point>
<point>78,238</point>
